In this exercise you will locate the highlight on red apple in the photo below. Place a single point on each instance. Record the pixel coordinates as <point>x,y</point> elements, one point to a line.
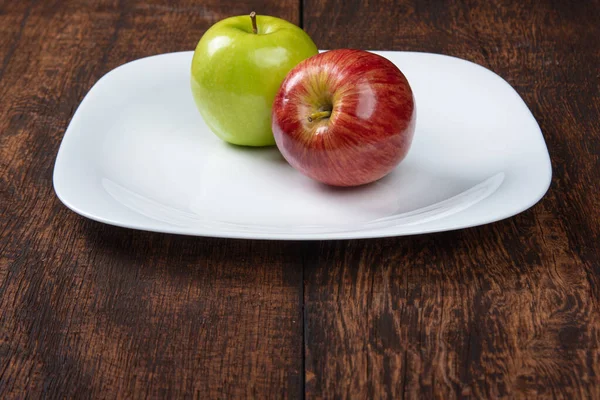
<point>344,117</point>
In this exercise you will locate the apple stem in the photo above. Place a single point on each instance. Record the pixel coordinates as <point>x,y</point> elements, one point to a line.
<point>253,18</point>
<point>318,115</point>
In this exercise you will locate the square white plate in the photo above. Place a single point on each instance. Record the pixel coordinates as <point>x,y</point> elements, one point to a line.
<point>137,154</point>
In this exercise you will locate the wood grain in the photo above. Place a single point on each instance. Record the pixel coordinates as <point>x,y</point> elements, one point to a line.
<point>505,310</point>
<point>88,310</point>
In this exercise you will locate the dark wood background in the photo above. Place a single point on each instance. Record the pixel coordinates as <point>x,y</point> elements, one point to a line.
<point>508,309</point>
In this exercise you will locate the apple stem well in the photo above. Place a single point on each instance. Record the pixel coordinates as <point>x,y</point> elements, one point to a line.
<point>253,18</point>
<point>318,115</point>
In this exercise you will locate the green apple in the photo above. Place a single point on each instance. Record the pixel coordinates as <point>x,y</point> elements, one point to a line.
<point>237,68</point>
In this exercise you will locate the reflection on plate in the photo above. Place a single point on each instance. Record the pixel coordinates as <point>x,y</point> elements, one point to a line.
<point>187,219</point>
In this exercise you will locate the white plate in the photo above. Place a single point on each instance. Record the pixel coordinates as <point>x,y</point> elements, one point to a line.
<point>137,154</point>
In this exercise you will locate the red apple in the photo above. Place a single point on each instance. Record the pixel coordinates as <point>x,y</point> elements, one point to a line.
<point>344,117</point>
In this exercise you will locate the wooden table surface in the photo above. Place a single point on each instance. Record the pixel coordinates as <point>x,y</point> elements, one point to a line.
<point>507,309</point>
